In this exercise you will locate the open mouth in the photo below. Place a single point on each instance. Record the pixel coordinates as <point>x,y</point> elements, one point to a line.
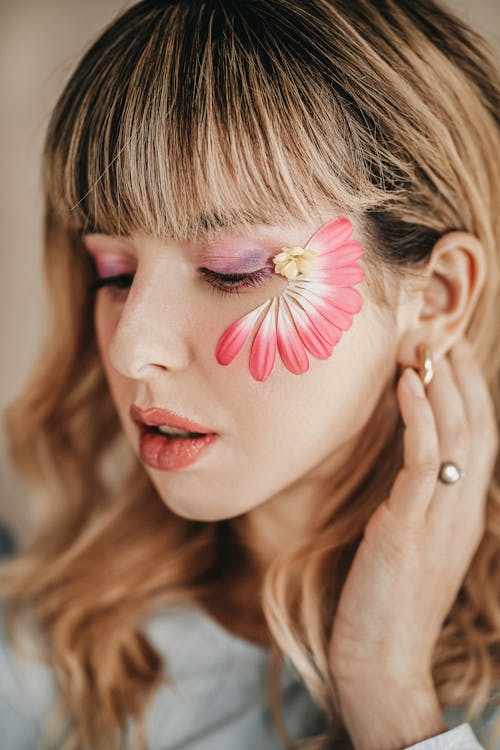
<point>172,442</point>
<point>172,435</point>
<point>171,452</point>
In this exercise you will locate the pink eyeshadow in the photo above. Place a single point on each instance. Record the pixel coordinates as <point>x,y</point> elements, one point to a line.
<point>111,266</point>
<point>222,257</point>
<point>245,263</point>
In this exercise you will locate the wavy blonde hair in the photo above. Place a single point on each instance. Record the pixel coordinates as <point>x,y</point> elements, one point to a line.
<point>187,118</point>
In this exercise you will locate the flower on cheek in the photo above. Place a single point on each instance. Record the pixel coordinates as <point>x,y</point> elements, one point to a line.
<point>294,260</point>
<point>310,315</point>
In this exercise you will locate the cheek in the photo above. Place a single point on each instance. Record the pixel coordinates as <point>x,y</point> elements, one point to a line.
<point>122,389</point>
<point>293,421</point>
<point>106,319</point>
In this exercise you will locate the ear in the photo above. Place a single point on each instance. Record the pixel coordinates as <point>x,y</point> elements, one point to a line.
<point>438,309</point>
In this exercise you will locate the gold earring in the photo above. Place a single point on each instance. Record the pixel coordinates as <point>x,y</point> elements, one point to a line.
<point>425,364</point>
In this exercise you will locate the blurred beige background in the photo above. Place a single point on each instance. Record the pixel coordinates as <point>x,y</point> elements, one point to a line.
<point>40,44</point>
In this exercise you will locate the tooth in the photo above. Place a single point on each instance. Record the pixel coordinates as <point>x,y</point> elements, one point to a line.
<point>172,430</point>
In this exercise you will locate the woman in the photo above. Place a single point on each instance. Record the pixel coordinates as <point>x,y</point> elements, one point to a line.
<point>264,221</point>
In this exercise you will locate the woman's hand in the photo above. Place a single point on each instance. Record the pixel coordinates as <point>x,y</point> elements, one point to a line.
<point>420,541</point>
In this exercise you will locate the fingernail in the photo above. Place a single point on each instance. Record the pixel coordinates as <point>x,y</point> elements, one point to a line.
<point>414,383</point>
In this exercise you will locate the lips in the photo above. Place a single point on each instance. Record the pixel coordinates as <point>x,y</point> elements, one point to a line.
<point>154,416</point>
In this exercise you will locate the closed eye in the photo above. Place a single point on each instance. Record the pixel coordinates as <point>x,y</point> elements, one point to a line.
<point>222,283</point>
<point>121,281</point>
<point>231,283</point>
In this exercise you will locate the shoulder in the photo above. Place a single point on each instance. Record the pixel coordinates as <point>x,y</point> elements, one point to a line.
<point>26,689</point>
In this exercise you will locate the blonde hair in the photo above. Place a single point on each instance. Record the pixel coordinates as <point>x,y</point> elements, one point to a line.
<point>188,118</point>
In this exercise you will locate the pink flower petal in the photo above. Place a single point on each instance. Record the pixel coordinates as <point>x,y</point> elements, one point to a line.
<point>263,351</point>
<point>348,299</point>
<point>345,276</point>
<point>330,235</point>
<point>340,255</point>
<point>343,297</point>
<point>310,335</point>
<point>310,315</point>
<point>290,345</point>
<point>330,332</point>
<point>234,337</point>
<point>328,307</point>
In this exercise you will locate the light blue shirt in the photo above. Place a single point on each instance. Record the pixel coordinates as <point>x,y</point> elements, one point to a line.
<point>217,699</point>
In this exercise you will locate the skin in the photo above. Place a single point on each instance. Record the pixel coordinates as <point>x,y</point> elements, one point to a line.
<point>157,346</point>
<point>414,556</point>
<point>172,364</point>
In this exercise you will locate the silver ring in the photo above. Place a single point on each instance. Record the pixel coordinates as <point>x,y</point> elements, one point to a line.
<point>449,473</point>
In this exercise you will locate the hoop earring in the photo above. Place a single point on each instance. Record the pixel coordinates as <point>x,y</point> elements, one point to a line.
<point>425,363</point>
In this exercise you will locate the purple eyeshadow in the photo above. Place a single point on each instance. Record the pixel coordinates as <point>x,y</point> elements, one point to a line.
<point>248,262</point>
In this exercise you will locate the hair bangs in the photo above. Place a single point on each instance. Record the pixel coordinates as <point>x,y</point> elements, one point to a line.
<point>186,116</point>
<point>236,145</point>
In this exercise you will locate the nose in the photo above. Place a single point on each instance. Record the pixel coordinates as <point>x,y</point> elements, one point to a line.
<point>154,332</point>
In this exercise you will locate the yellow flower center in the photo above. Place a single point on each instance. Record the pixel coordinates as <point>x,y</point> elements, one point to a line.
<point>294,260</point>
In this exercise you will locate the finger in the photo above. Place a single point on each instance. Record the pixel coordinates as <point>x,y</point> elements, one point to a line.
<point>448,407</point>
<point>481,417</point>
<point>453,431</point>
<point>415,483</point>
<point>464,515</point>
<point>478,405</point>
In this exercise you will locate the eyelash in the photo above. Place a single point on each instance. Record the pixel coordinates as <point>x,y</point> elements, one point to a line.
<point>224,284</point>
<point>231,283</point>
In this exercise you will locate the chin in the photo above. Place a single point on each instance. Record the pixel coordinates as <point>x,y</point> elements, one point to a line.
<point>205,514</point>
<point>202,510</point>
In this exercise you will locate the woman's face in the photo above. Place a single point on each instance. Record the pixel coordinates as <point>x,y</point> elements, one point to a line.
<point>157,340</point>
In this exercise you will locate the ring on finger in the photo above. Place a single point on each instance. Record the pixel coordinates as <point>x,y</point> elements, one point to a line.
<point>450,472</point>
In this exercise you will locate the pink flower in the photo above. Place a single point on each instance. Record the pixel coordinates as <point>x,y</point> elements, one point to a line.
<point>310,314</point>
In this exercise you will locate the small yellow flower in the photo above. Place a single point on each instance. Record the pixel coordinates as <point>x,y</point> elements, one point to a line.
<point>294,260</point>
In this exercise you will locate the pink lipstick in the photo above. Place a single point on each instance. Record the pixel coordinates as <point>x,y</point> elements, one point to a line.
<point>182,443</point>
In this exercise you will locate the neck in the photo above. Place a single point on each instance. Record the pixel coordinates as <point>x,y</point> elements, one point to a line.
<point>306,506</point>
<point>297,511</point>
